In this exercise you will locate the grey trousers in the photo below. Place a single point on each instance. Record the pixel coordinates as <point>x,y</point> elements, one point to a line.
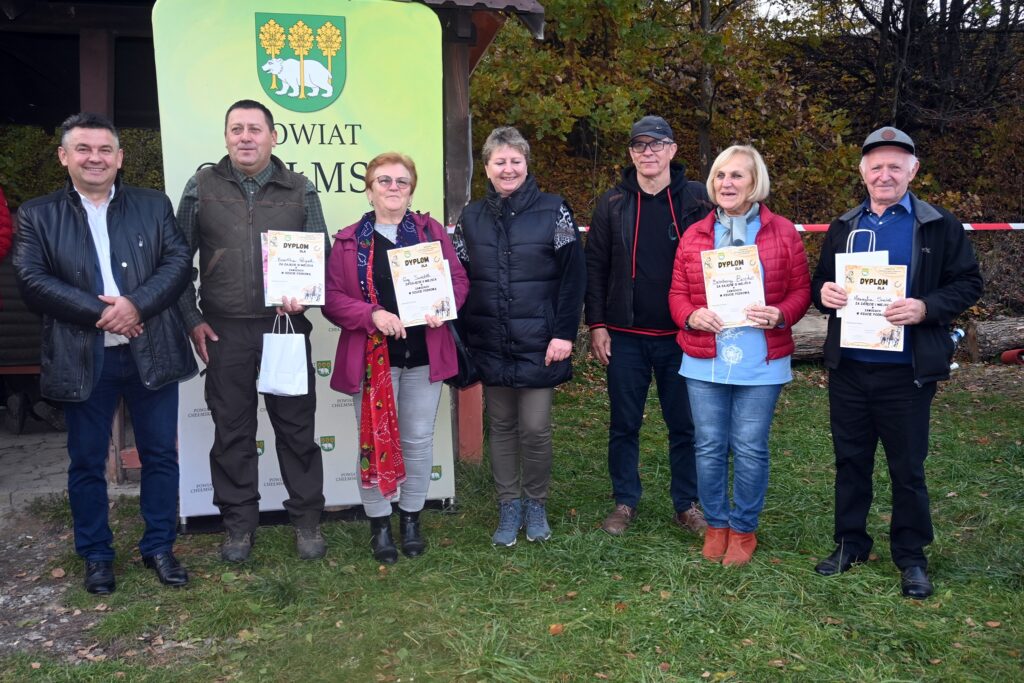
<point>520,441</point>
<point>416,399</point>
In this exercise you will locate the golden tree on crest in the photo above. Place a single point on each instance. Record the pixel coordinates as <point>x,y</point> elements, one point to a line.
<point>328,39</point>
<point>272,40</point>
<point>300,40</point>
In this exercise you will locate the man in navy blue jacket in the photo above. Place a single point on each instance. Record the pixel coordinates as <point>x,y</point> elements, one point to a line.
<point>885,395</point>
<point>104,263</point>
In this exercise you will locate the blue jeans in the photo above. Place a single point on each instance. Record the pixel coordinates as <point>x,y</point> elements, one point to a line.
<point>155,421</point>
<point>634,358</point>
<point>739,418</point>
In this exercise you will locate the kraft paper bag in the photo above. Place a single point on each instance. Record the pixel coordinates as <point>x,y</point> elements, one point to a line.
<point>283,369</point>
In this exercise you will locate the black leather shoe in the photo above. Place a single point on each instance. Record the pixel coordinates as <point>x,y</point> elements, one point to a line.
<point>381,541</point>
<point>839,561</point>
<point>915,583</point>
<point>99,577</point>
<point>167,568</point>
<point>413,544</point>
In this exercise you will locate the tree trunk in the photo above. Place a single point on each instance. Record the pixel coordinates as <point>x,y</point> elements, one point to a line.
<point>809,336</point>
<point>989,338</point>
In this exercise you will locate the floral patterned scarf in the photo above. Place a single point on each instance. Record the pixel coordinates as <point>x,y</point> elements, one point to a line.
<point>380,448</point>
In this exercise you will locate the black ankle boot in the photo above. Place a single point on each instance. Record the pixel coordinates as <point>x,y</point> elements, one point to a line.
<point>381,541</point>
<point>413,544</point>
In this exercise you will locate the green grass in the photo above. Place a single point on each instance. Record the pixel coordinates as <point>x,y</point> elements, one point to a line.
<point>643,607</point>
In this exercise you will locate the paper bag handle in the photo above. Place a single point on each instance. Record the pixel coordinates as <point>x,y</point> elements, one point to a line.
<point>288,327</point>
<point>850,238</point>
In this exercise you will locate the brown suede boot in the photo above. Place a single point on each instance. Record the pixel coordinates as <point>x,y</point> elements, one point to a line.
<point>715,542</point>
<point>741,548</point>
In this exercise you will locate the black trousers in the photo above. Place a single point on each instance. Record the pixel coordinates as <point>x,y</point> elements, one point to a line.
<point>232,398</point>
<point>868,403</point>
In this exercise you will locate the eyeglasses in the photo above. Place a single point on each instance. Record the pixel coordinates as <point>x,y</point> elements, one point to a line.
<point>654,145</point>
<point>386,181</point>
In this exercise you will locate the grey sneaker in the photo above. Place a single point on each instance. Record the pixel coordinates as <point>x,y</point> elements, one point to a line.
<point>537,528</point>
<point>236,546</point>
<point>510,521</point>
<point>310,544</point>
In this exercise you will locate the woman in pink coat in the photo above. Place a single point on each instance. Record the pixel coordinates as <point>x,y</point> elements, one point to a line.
<point>734,375</point>
<point>393,372</point>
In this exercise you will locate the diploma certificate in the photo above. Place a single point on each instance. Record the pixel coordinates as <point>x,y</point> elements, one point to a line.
<point>733,282</point>
<point>870,290</point>
<point>859,258</point>
<point>293,266</point>
<point>423,283</point>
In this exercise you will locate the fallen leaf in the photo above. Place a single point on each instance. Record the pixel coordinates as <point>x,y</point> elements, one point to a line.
<point>630,655</point>
<point>832,621</point>
<point>57,573</point>
<point>969,622</point>
<point>872,557</point>
<point>983,494</point>
<point>706,674</point>
<point>665,595</point>
<point>775,560</point>
<point>620,607</point>
<point>572,512</point>
<point>616,577</point>
<point>993,624</point>
<point>102,607</point>
<point>35,665</point>
<point>664,666</point>
<point>952,494</point>
<point>603,677</point>
<point>556,629</point>
<point>778,663</point>
<point>958,646</point>
<point>935,661</point>
<point>338,624</point>
<point>646,588</point>
<point>747,642</point>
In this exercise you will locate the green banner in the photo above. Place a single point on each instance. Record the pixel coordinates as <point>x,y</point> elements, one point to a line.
<point>345,81</point>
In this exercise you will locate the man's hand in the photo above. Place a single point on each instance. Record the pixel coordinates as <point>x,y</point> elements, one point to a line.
<point>906,312</point>
<point>200,334</point>
<point>119,317</point>
<point>290,306</point>
<point>558,349</point>
<point>389,324</point>
<point>601,345</point>
<point>832,295</point>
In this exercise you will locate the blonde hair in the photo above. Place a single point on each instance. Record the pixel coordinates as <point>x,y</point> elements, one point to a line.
<point>761,187</point>
<point>392,158</point>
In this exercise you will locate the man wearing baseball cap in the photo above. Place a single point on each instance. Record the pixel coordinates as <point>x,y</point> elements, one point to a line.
<point>886,395</point>
<point>630,251</point>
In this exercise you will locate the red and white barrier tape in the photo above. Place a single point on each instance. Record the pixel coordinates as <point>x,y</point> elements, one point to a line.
<point>823,227</point>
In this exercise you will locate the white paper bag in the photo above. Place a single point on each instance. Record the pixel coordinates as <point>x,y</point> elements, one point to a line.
<point>859,258</point>
<point>283,369</point>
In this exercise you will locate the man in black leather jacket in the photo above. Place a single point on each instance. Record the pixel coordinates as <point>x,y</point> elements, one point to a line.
<point>104,264</point>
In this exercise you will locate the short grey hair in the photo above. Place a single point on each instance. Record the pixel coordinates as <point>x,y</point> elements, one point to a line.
<point>505,136</point>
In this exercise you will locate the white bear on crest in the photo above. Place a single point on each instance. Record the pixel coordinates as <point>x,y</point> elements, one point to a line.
<point>316,76</point>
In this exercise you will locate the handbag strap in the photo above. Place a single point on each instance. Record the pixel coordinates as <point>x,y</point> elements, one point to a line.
<point>852,236</point>
<point>288,327</point>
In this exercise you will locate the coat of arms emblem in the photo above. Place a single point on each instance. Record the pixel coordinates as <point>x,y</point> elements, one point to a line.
<point>300,59</point>
<point>260,447</point>
<point>326,443</point>
<point>323,368</point>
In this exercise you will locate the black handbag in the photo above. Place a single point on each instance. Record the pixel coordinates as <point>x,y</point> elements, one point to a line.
<point>467,375</point>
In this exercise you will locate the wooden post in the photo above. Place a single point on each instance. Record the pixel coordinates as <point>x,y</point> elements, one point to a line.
<point>96,71</point>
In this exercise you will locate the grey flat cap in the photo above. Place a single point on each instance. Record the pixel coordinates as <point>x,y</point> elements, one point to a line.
<point>888,136</point>
<point>652,126</point>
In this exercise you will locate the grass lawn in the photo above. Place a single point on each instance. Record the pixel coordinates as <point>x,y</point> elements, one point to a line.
<point>585,606</point>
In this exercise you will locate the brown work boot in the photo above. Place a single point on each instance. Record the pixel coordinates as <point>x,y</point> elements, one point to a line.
<point>619,519</point>
<point>691,519</point>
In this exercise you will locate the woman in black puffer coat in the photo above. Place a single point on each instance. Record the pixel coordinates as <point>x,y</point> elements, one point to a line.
<point>522,252</point>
